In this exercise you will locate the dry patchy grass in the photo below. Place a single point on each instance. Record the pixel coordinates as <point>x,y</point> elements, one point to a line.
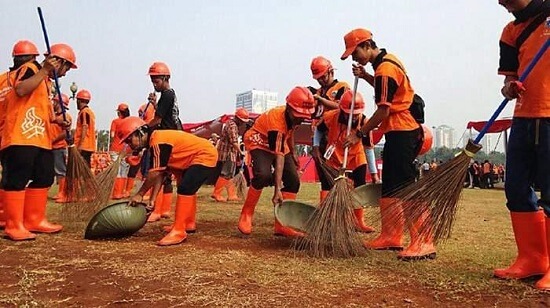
<point>217,267</point>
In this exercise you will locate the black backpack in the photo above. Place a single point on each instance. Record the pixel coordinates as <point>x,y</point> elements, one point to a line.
<point>417,107</point>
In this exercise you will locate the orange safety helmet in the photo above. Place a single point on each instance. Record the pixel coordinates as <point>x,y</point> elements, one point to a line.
<point>427,140</point>
<point>242,114</point>
<point>64,52</point>
<point>122,106</point>
<point>345,102</point>
<point>24,48</point>
<point>128,126</point>
<point>320,66</point>
<point>65,99</point>
<point>84,95</point>
<point>301,101</point>
<point>159,69</point>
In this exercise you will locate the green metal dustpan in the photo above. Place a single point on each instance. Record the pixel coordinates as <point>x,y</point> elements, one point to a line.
<point>294,214</point>
<point>367,195</point>
<point>116,221</point>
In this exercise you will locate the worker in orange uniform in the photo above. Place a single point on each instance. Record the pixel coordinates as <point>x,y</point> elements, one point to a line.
<point>333,125</point>
<point>228,151</point>
<point>85,138</point>
<point>270,143</point>
<point>328,98</point>
<point>27,144</point>
<point>528,150</point>
<point>172,151</point>
<point>404,136</point>
<point>115,148</point>
<point>59,147</point>
<point>23,51</point>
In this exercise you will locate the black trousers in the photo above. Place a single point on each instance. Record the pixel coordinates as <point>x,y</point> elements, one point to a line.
<point>133,170</point>
<point>22,164</point>
<point>400,150</point>
<point>87,155</point>
<point>193,178</point>
<point>262,175</point>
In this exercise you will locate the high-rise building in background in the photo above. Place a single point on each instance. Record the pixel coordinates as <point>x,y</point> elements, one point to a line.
<point>257,101</point>
<point>444,136</point>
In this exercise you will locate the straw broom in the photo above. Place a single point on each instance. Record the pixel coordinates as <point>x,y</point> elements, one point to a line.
<point>330,231</point>
<point>240,183</point>
<point>436,195</point>
<point>80,182</point>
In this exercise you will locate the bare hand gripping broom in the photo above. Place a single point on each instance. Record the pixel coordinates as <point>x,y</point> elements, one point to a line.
<point>330,231</point>
<point>436,195</point>
<point>81,184</point>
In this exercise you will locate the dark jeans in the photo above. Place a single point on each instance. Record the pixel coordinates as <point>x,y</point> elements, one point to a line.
<point>26,163</point>
<point>527,164</point>
<point>358,176</point>
<point>400,150</point>
<point>263,161</point>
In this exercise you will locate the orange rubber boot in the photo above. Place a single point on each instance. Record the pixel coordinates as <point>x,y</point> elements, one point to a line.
<point>2,213</point>
<point>421,245</point>
<point>60,188</point>
<point>360,223</point>
<point>191,221</point>
<point>128,188</point>
<point>544,283</point>
<point>391,235</point>
<point>278,228</point>
<point>157,212</point>
<point>323,195</point>
<point>245,220</point>
<point>14,207</point>
<point>184,206</point>
<point>166,205</point>
<point>118,189</point>
<point>34,215</point>
<point>530,234</point>
<point>231,191</point>
<point>61,197</point>
<point>218,188</point>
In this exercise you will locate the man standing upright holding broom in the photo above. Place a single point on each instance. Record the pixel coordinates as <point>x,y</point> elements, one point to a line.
<point>393,97</point>
<point>528,155</point>
<point>270,143</point>
<point>228,150</point>
<point>166,117</point>
<point>27,145</point>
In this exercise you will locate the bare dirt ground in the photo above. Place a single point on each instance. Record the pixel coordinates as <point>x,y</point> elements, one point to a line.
<point>217,267</point>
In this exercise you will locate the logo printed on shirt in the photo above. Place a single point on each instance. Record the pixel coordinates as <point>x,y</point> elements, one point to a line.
<point>547,27</point>
<point>32,126</point>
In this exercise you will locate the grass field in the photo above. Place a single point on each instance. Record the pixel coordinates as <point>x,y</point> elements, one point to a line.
<point>217,267</point>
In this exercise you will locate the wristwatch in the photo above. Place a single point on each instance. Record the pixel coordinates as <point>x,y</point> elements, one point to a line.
<point>359,133</point>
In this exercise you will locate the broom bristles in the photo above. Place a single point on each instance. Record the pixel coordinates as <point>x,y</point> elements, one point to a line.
<point>240,184</point>
<point>330,231</point>
<point>433,199</point>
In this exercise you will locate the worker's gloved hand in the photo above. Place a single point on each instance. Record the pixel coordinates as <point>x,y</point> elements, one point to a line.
<point>513,89</point>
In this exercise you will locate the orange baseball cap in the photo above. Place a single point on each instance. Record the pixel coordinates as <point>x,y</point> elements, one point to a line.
<point>354,38</point>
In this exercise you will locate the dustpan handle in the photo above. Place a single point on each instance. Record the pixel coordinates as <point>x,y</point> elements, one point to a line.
<point>505,101</point>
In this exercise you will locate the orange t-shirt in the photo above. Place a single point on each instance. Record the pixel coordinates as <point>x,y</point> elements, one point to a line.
<point>535,101</point>
<point>58,130</point>
<point>392,88</point>
<point>336,135</point>
<point>5,87</point>
<point>116,145</point>
<point>85,117</point>
<point>149,113</point>
<point>333,93</point>
<point>179,150</point>
<point>28,119</point>
<point>270,132</point>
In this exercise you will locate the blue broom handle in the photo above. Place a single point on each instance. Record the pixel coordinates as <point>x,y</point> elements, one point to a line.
<point>505,101</point>
<point>59,97</point>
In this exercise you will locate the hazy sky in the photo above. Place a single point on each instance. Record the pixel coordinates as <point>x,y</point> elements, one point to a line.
<point>216,49</point>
